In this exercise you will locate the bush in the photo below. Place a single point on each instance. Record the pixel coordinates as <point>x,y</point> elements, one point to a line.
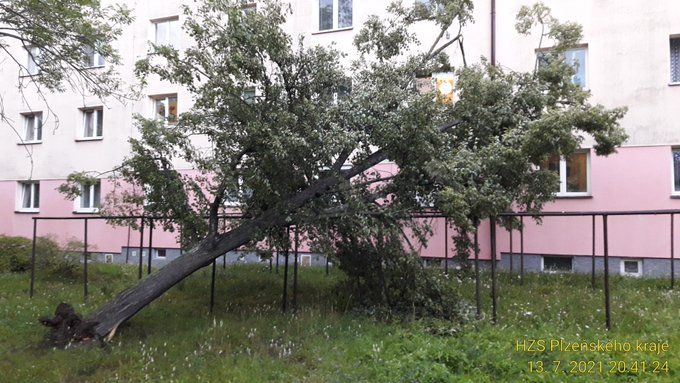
<point>15,256</point>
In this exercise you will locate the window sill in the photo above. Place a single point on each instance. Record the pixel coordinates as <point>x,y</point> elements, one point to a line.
<point>675,196</point>
<point>85,139</point>
<point>333,30</point>
<point>27,211</point>
<point>674,84</point>
<point>29,142</point>
<point>96,67</point>
<point>573,196</point>
<point>86,211</point>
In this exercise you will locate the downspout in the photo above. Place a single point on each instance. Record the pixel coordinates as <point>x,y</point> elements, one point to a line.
<point>493,32</point>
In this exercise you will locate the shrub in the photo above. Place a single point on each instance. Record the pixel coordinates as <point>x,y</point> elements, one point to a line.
<point>15,256</point>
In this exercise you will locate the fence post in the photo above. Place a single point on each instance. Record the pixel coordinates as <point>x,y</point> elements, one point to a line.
<point>212,286</point>
<point>592,259</point>
<point>141,248</point>
<point>512,255</point>
<point>672,253</point>
<point>284,304</point>
<point>492,224</point>
<point>148,255</point>
<point>478,296</point>
<point>35,231</point>
<point>85,263</point>
<point>127,248</point>
<point>295,268</point>
<point>521,250</point>
<point>607,308</point>
<point>446,245</point>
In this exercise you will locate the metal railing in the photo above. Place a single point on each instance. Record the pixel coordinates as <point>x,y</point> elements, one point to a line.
<point>423,215</point>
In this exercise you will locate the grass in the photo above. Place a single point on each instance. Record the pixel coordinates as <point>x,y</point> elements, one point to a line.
<point>249,340</point>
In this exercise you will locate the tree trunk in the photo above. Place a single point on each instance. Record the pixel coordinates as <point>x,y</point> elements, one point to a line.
<point>131,301</point>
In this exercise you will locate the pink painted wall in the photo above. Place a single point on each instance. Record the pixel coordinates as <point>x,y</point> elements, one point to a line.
<point>636,178</point>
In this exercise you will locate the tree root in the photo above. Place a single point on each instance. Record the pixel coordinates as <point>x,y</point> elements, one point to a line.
<point>68,327</point>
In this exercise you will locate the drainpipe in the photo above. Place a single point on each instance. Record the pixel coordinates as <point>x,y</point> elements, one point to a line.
<point>493,32</point>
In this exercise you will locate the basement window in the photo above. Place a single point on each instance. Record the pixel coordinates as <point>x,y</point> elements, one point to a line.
<point>557,264</point>
<point>631,267</point>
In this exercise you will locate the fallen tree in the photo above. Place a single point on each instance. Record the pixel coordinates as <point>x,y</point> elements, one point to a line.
<point>294,136</point>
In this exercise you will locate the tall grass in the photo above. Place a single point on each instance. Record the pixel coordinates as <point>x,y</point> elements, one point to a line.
<point>248,339</point>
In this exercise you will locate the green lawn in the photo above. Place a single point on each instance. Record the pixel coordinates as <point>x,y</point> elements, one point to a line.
<point>249,340</point>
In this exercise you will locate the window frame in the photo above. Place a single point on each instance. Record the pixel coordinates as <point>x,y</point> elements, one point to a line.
<point>95,137</point>
<point>622,265</point>
<point>586,55</point>
<point>98,60</point>
<point>563,193</point>
<point>674,192</point>
<point>170,20</point>
<point>675,37</point>
<point>32,60</point>
<point>93,207</point>
<point>165,98</point>
<point>157,252</point>
<point>335,22</point>
<point>34,205</point>
<point>550,271</point>
<point>37,129</point>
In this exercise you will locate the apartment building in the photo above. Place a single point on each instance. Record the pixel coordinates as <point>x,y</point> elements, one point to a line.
<point>630,56</point>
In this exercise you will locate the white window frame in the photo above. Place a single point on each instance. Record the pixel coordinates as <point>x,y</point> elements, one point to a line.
<point>622,264</point>
<point>33,201</point>
<point>306,260</point>
<point>336,17</point>
<point>78,208</point>
<point>563,178</point>
<point>32,61</point>
<point>165,99</point>
<point>97,61</point>
<point>586,80</point>
<point>37,128</point>
<point>173,27</point>
<point>673,191</point>
<point>94,110</point>
<point>556,271</point>
<point>156,253</point>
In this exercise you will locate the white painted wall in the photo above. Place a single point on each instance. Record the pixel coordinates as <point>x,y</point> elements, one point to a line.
<point>628,64</point>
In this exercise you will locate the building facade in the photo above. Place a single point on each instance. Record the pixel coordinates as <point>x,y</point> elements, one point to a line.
<point>630,56</point>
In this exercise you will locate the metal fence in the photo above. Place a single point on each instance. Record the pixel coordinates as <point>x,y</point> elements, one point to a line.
<point>431,214</point>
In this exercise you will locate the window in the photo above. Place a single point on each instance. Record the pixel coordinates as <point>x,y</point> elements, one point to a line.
<point>574,173</point>
<point>33,59</point>
<point>556,264</point>
<point>165,108</point>
<point>90,198</point>
<point>166,32</point>
<point>577,59</point>
<point>159,253</point>
<point>92,58</point>
<point>631,267</point>
<point>250,95</point>
<point>675,59</point>
<point>33,127</point>
<point>29,196</point>
<point>330,19</point>
<point>676,171</point>
<point>93,122</point>
<point>306,260</point>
